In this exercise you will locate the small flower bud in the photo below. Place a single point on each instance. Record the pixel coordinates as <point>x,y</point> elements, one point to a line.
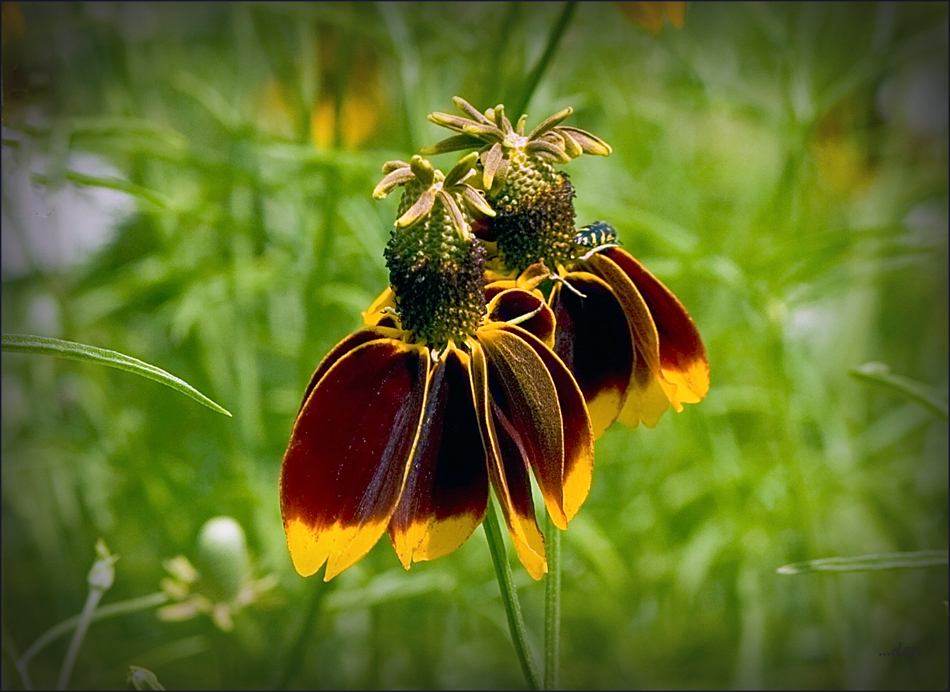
<point>102,574</point>
<point>143,679</point>
<point>223,561</point>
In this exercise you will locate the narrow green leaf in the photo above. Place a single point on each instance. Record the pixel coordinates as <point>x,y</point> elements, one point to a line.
<point>880,373</point>
<point>20,343</point>
<point>861,563</point>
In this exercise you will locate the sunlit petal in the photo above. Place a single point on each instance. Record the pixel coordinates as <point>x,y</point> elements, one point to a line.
<point>642,403</point>
<point>508,472</point>
<point>682,353</point>
<point>646,399</point>
<point>564,494</point>
<point>594,340</point>
<point>384,304</point>
<point>349,453</point>
<point>446,491</point>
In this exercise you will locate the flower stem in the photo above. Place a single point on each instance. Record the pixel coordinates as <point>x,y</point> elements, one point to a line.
<point>85,619</point>
<point>557,31</point>
<point>552,605</point>
<point>496,544</point>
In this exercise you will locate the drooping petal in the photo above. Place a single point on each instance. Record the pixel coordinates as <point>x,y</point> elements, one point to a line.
<point>682,353</point>
<point>349,453</point>
<point>508,471</point>
<point>565,493</point>
<point>645,401</point>
<point>524,393</point>
<point>341,349</point>
<point>524,308</point>
<point>446,492</point>
<point>594,341</point>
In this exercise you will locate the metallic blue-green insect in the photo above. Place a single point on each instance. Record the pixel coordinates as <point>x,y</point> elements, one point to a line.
<point>596,234</point>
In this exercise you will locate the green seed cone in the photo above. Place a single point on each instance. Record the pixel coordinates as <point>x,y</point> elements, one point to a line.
<point>535,225</point>
<point>437,276</point>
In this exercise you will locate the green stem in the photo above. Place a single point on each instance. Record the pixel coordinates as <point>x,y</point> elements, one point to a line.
<point>552,605</point>
<point>85,619</point>
<point>56,631</point>
<point>296,657</point>
<point>554,39</point>
<point>509,596</point>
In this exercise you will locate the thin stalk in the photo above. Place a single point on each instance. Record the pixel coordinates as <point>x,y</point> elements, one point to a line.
<point>554,39</point>
<point>552,605</point>
<point>79,636</point>
<point>509,596</point>
<point>60,629</point>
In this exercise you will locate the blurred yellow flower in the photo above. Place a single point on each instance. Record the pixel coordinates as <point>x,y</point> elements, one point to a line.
<point>348,124</point>
<point>650,14</point>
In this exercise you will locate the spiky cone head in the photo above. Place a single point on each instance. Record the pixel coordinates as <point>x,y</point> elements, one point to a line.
<point>436,265</point>
<point>533,200</point>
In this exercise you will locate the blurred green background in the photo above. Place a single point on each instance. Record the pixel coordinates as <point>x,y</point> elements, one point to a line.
<point>189,184</point>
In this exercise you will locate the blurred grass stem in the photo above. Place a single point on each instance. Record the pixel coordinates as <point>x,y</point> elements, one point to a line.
<point>554,40</point>
<point>296,657</point>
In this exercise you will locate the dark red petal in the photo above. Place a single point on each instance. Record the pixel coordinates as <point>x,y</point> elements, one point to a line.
<point>564,493</point>
<point>682,353</point>
<point>349,453</point>
<point>594,340</point>
<point>524,396</point>
<point>513,305</point>
<point>446,491</point>
<point>341,349</point>
<point>508,472</point>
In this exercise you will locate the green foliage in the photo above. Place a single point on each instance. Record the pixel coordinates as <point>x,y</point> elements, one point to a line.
<point>19,343</point>
<point>781,167</point>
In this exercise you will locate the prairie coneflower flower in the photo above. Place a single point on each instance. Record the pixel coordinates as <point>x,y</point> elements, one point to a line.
<point>407,422</point>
